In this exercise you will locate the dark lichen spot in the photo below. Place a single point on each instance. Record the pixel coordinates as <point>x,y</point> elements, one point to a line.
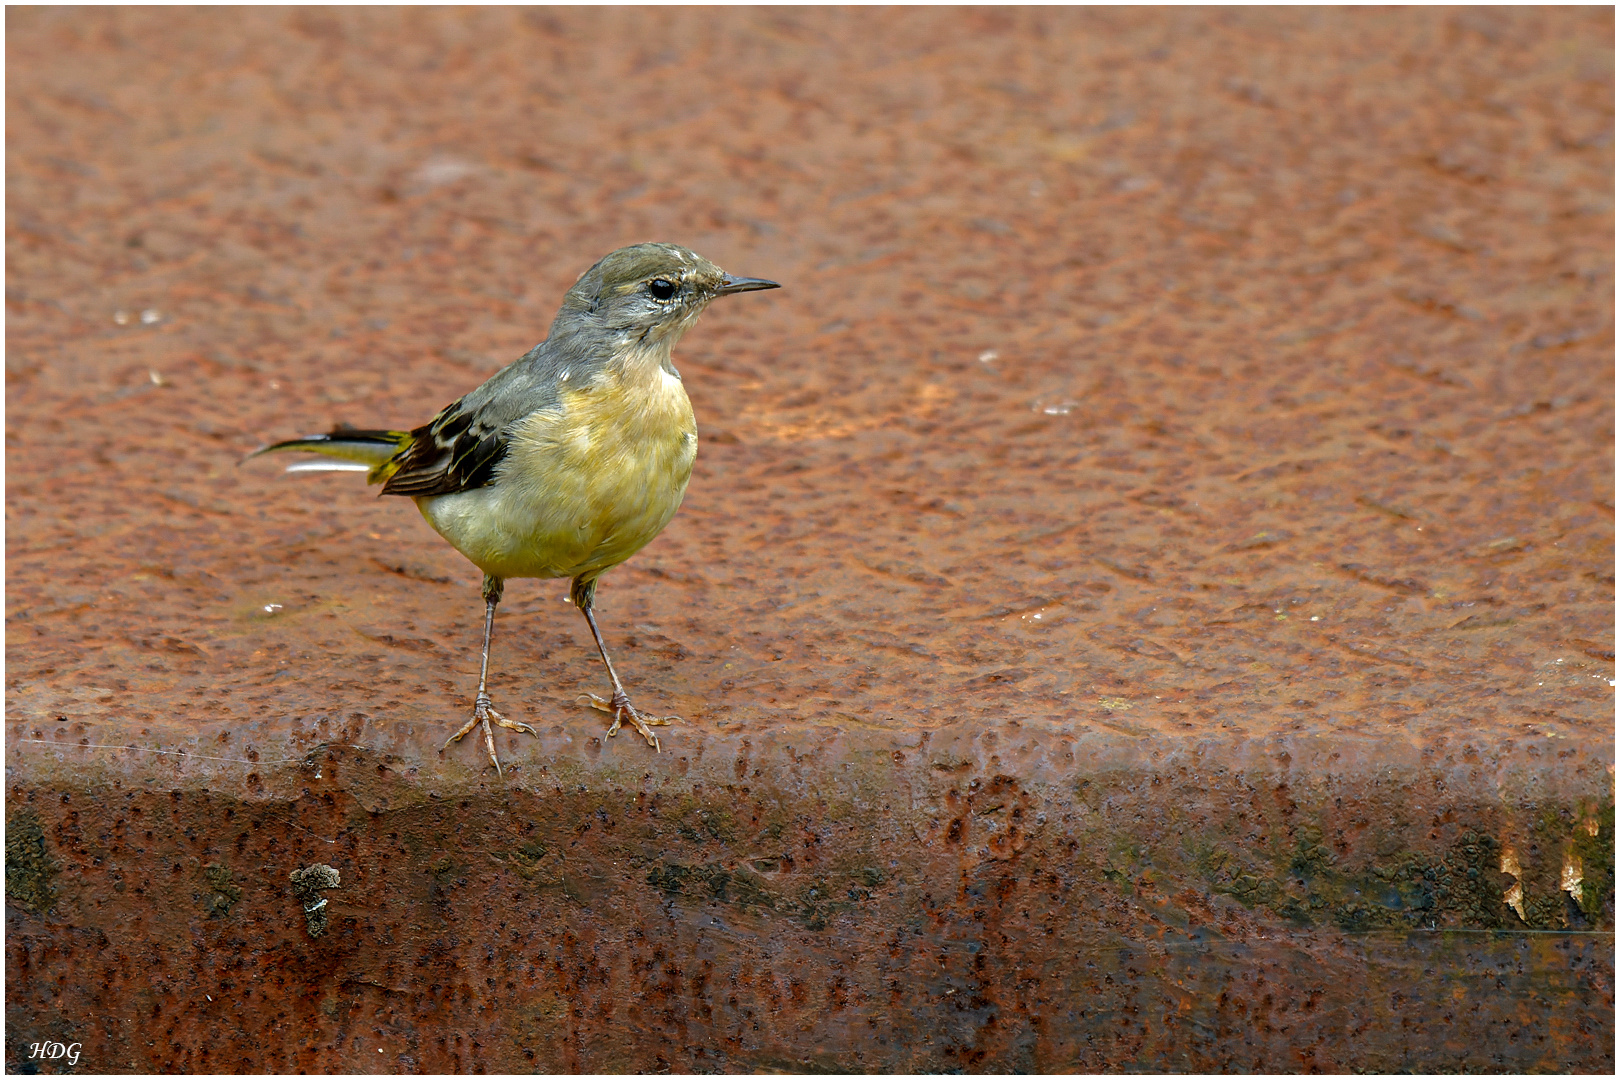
<point>223,893</point>
<point>1593,848</point>
<point>705,824</point>
<point>671,878</point>
<point>1310,856</point>
<point>307,884</point>
<point>738,887</point>
<point>530,852</point>
<point>717,880</point>
<point>813,907</point>
<point>1460,886</point>
<point>29,866</point>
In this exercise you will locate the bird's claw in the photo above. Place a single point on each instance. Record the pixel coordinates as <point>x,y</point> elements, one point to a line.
<point>483,713</point>
<point>619,705</point>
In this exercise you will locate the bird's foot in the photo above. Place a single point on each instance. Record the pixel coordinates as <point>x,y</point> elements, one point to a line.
<point>619,705</point>
<point>483,713</point>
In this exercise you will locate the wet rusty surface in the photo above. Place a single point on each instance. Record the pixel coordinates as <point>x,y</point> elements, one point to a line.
<point>1144,599</point>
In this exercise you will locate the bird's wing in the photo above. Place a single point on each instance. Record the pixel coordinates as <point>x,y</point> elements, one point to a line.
<point>460,447</point>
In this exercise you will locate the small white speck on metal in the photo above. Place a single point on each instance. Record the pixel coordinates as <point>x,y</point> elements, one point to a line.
<point>150,316</point>
<point>121,318</point>
<point>988,356</point>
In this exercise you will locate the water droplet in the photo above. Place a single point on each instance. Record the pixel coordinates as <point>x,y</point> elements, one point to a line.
<point>988,357</point>
<point>150,316</point>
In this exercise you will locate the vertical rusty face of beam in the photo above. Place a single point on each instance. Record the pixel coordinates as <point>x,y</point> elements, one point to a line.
<point>923,909</point>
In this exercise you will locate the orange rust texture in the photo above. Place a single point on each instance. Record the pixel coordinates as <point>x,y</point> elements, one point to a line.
<point>1192,422</point>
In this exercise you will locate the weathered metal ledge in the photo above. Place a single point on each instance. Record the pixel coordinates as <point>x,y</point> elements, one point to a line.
<point>821,899</point>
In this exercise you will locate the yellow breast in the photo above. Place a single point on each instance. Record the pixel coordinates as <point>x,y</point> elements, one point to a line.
<point>584,485</point>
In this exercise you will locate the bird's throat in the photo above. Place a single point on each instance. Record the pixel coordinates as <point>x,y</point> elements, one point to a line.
<point>644,365</point>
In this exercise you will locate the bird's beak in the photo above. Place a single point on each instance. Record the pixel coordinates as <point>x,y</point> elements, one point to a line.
<point>744,284</point>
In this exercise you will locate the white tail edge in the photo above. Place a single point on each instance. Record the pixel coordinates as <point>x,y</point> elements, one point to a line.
<point>329,466</point>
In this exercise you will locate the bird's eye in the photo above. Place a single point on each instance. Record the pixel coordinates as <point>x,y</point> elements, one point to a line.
<point>661,289</point>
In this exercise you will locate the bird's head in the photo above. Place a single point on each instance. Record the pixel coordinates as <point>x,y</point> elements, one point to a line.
<point>647,293</point>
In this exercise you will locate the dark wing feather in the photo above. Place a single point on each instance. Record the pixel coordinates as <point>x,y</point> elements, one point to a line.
<point>460,448</point>
<point>454,452</point>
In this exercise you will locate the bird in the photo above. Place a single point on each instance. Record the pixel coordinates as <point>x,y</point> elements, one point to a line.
<point>567,461</point>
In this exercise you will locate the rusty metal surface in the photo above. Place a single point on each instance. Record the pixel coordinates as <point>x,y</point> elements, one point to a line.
<point>1144,578</point>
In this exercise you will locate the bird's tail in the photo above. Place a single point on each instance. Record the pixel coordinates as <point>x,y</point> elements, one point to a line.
<point>374,453</point>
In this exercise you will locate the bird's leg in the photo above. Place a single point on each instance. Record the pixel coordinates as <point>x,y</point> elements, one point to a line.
<point>619,704</point>
<point>483,713</point>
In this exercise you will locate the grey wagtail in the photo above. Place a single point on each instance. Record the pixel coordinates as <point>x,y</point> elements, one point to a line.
<point>566,462</point>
